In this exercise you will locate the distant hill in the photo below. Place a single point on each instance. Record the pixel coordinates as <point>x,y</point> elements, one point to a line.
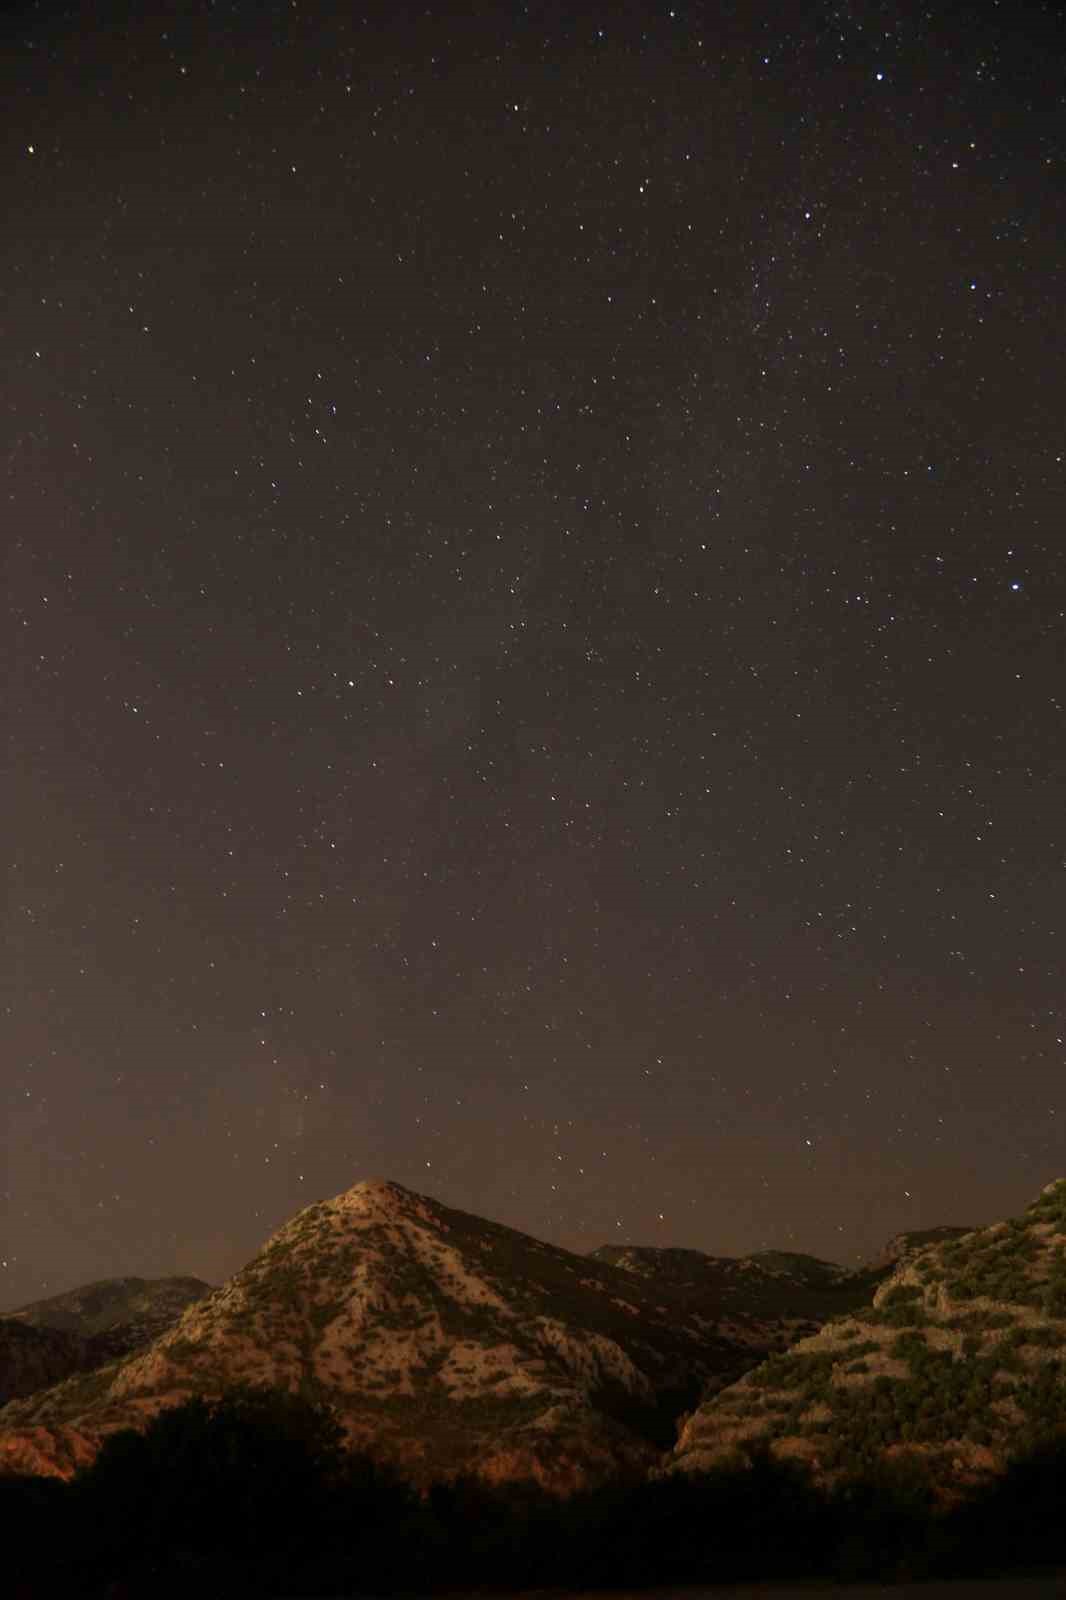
<point>121,1314</point>
<point>42,1343</point>
<point>445,1343</point>
<point>764,1301</point>
<point>960,1359</point>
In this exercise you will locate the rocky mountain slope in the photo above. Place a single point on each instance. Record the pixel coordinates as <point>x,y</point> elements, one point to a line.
<point>446,1344</point>
<point>961,1358</point>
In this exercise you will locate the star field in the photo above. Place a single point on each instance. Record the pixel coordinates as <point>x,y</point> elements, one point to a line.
<point>535,589</point>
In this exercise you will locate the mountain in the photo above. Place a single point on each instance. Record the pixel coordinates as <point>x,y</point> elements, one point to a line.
<point>445,1343</point>
<point>764,1301</point>
<point>959,1360</point>
<point>116,1314</point>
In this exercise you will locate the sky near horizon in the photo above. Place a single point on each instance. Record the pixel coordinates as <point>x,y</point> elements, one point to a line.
<point>534,561</point>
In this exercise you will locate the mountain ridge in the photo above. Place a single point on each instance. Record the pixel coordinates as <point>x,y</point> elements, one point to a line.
<point>445,1342</point>
<point>108,1303</point>
<point>766,1301</point>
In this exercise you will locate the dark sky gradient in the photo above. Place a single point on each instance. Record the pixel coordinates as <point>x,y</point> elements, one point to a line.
<point>535,558</point>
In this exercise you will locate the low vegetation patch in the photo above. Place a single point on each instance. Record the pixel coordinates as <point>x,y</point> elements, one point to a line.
<point>795,1370</point>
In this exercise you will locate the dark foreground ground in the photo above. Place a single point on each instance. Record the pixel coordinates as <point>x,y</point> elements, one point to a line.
<point>1049,1586</point>
<point>251,1497</point>
<point>1044,1586</point>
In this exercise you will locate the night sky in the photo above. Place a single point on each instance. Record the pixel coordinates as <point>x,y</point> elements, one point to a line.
<point>535,566</point>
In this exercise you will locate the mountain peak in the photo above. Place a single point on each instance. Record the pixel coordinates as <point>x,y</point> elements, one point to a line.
<point>373,1191</point>
<point>445,1343</point>
<point>377,1185</point>
<point>374,1199</point>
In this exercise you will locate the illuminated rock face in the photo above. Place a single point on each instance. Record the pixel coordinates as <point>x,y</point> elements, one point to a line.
<point>447,1344</point>
<point>960,1359</point>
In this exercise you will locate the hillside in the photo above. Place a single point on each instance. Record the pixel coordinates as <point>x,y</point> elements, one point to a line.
<point>764,1301</point>
<point>959,1359</point>
<point>33,1358</point>
<point>49,1340</point>
<point>117,1314</point>
<point>446,1344</point>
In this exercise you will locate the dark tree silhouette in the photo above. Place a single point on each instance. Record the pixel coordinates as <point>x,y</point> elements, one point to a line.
<point>233,1480</point>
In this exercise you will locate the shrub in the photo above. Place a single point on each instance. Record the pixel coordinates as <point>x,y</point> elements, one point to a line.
<point>983,1319</point>
<point>900,1314</point>
<point>1052,1301</point>
<point>901,1294</point>
<point>793,1370</point>
<point>1043,1336</point>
